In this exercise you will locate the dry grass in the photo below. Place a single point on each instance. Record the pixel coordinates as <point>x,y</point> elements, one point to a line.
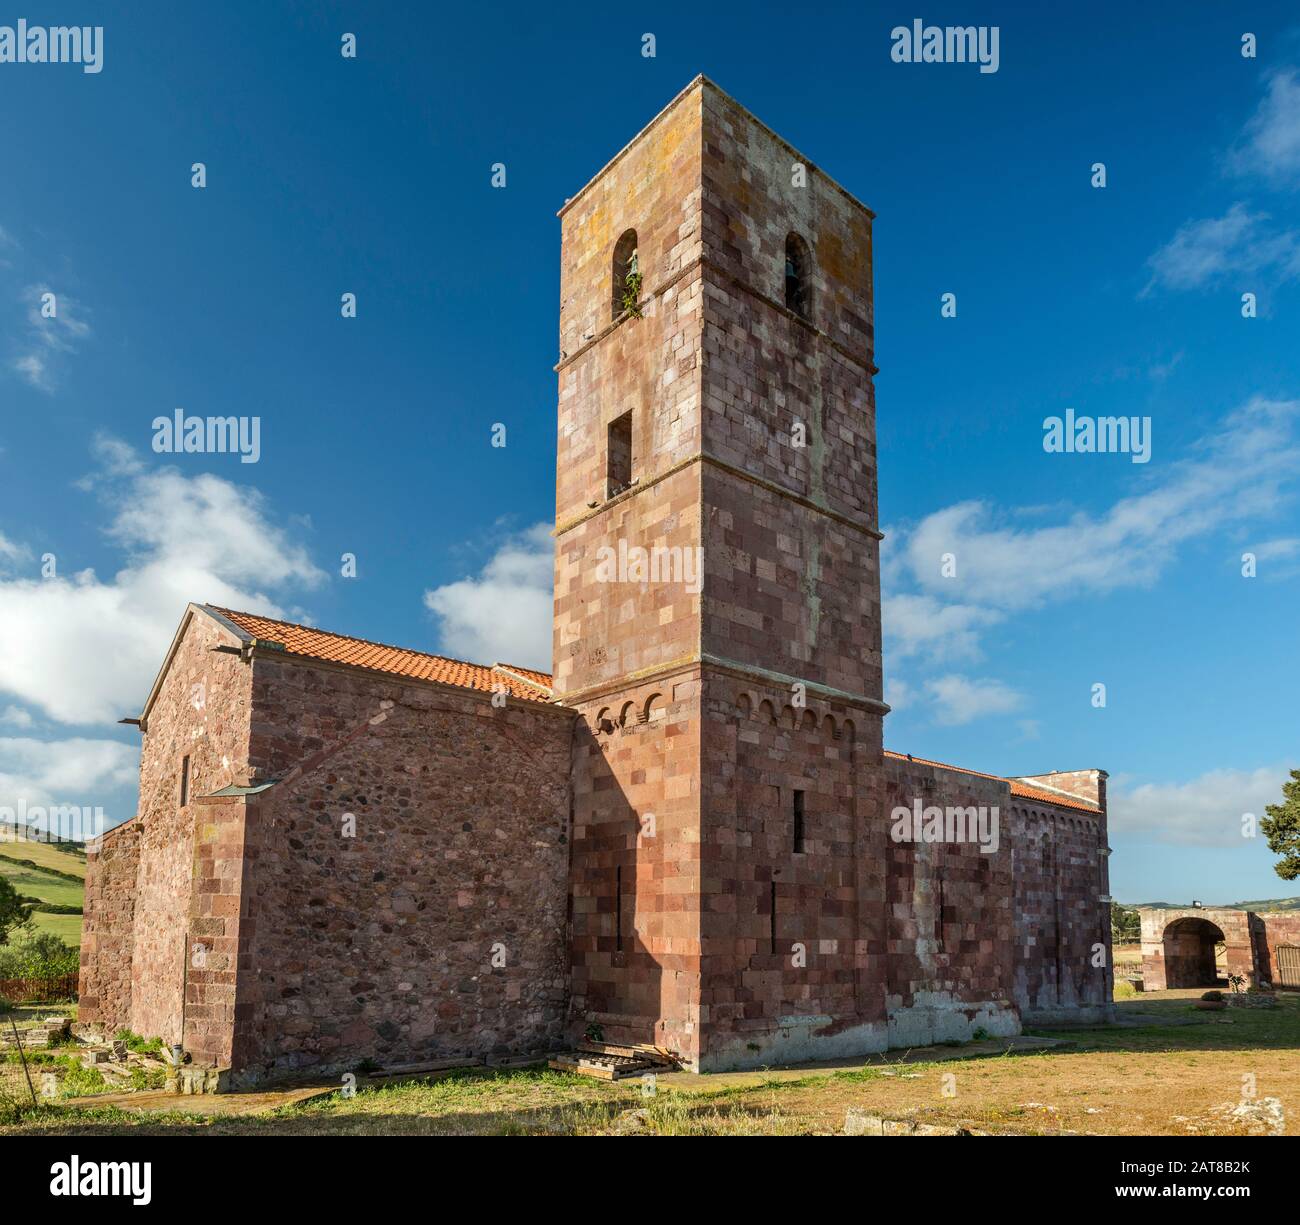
<point>1163,1079</point>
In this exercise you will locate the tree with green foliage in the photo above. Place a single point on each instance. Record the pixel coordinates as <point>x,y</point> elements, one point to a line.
<point>1282,829</point>
<point>32,953</point>
<point>13,910</point>
<point>1125,924</point>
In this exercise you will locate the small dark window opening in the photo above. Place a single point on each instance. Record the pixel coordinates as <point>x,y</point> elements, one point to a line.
<point>772,915</point>
<point>185,780</point>
<point>798,277</point>
<point>618,908</point>
<point>798,822</point>
<point>618,463</point>
<point>626,276</point>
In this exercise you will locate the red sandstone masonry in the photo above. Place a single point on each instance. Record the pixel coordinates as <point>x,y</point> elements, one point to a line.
<point>821,986</point>
<point>636,822</point>
<point>252,929</point>
<point>951,910</point>
<point>1278,929</point>
<point>382,945</point>
<point>790,586</point>
<point>1178,945</point>
<point>1061,866</point>
<point>201,711</point>
<point>658,800</point>
<point>108,927</point>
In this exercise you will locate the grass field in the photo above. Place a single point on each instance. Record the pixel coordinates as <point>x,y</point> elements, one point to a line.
<point>66,926</point>
<point>45,855</point>
<point>1186,1073</point>
<point>38,882</point>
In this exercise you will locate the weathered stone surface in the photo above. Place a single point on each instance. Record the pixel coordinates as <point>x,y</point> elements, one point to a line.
<point>1178,946</point>
<point>428,875</point>
<point>108,927</point>
<point>859,1123</point>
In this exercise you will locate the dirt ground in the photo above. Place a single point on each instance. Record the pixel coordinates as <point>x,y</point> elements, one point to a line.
<point>1167,1069</point>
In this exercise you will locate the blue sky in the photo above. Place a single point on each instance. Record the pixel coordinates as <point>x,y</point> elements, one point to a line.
<point>372,176</point>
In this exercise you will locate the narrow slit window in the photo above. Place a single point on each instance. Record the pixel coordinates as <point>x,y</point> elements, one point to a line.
<point>798,277</point>
<point>938,912</point>
<point>185,780</point>
<point>772,915</point>
<point>798,823</point>
<point>618,908</point>
<point>618,469</point>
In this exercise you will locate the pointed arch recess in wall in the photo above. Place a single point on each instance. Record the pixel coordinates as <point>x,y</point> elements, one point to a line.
<point>626,275</point>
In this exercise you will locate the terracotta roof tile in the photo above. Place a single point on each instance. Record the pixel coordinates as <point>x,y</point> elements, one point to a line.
<point>528,684</point>
<point>1050,797</point>
<point>311,643</point>
<point>1017,788</point>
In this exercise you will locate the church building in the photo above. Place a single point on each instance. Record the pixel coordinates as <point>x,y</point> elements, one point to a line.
<point>688,835</point>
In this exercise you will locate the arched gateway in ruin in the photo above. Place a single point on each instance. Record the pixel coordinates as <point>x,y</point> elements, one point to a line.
<point>1179,947</point>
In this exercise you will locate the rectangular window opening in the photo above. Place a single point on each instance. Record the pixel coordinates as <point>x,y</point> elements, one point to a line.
<point>798,823</point>
<point>772,915</point>
<point>618,468</point>
<point>185,780</point>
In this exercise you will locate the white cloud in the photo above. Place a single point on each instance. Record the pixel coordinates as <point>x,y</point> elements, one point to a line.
<point>1273,550</point>
<point>961,699</point>
<point>46,339</point>
<point>1276,559</point>
<point>16,716</point>
<point>1008,562</point>
<point>1270,144</point>
<point>505,613</point>
<point>1243,243</point>
<point>32,369</point>
<point>918,623</point>
<point>898,694</point>
<point>75,771</point>
<point>1208,251</point>
<point>84,650</point>
<point>11,553</point>
<point>1030,729</point>
<point>1238,473</point>
<point>1204,811</point>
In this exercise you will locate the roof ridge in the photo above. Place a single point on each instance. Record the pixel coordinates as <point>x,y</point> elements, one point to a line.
<point>931,761</point>
<point>1066,800</point>
<point>370,642</point>
<point>501,663</point>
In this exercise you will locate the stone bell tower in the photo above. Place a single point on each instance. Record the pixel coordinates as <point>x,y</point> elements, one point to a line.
<point>717,599</point>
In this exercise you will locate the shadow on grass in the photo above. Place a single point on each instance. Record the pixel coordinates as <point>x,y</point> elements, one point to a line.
<point>1178,1025</point>
<point>624,1114</point>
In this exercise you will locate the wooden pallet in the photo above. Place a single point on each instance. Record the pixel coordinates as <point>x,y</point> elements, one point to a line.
<point>611,1061</point>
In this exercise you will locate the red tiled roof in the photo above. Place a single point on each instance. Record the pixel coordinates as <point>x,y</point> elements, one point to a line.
<point>526,683</point>
<point>312,643</point>
<point>1018,789</point>
<point>1050,797</point>
<point>542,679</point>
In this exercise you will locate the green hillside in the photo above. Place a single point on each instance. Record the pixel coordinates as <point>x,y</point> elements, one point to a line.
<point>54,876</point>
<point>1260,907</point>
<point>57,856</point>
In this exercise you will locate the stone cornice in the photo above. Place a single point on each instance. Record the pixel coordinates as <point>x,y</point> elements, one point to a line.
<point>714,462</point>
<point>702,263</point>
<point>705,659</point>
